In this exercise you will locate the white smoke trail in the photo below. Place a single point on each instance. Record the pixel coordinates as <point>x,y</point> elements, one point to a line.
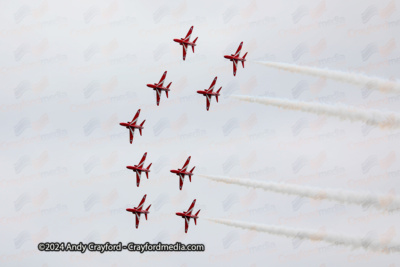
<point>375,83</point>
<point>382,202</point>
<point>341,240</point>
<point>371,117</point>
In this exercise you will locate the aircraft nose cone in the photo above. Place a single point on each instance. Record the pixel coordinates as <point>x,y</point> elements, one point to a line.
<point>121,124</point>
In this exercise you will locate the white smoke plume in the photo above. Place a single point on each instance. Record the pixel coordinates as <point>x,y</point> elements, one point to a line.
<point>340,240</point>
<point>379,118</point>
<point>375,83</point>
<point>381,202</point>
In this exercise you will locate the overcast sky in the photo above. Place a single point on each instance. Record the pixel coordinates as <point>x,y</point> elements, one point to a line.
<point>70,71</point>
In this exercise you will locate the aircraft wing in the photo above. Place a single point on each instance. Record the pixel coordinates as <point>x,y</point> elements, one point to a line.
<point>234,67</point>
<point>187,220</point>
<point>141,203</point>
<point>180,181</point>
<point>212,85</point>
<point>158,95</point>
<point>187,38</point>
<point>142,160</point>
<point>138,176</point>
<point>208,98</point>
<point>137,219</point>
<point>131,131</point>
<point>184,50</point>
<point>136,117</point>
<point>189,212</point>
<point>161,82</point>
<point>238,50</point>
<point>186,164</point>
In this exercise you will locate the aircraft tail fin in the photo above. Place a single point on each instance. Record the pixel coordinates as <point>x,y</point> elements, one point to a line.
<point>244,57</point>
<point>150,206</point>
<point>190,175</point>
<point>216,96</point>
<point>166,92</point>
<point>194,43</point>
<point>140,129</point>
<point>147,173</point>
<point>147,210</point>
<point>195,219</point>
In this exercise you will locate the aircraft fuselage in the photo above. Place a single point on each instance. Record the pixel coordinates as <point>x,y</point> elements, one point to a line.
<point>155,87</point>
<point>136,168</point>
<point>232,57</point>
<point>128,125</point>
<point>177,172</point>
<point>183,215</point>
<point>181,42</point>
<point>203,92</point>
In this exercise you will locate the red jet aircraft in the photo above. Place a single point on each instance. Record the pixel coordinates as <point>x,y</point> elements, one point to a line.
<point>182,172</point>
<point>236,57</point>
<point>185,42</point>
<point>209,93</point>
<point>139,210</point>
<point>132,126</point>
<point>139,169</point>
<point>188,215</point>
<point>158,87</point>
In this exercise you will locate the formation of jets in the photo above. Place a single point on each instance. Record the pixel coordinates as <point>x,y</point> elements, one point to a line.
<point>139,169</point>
<point>133,125</point>
<point>187,215</point>
<point>185,43</point>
